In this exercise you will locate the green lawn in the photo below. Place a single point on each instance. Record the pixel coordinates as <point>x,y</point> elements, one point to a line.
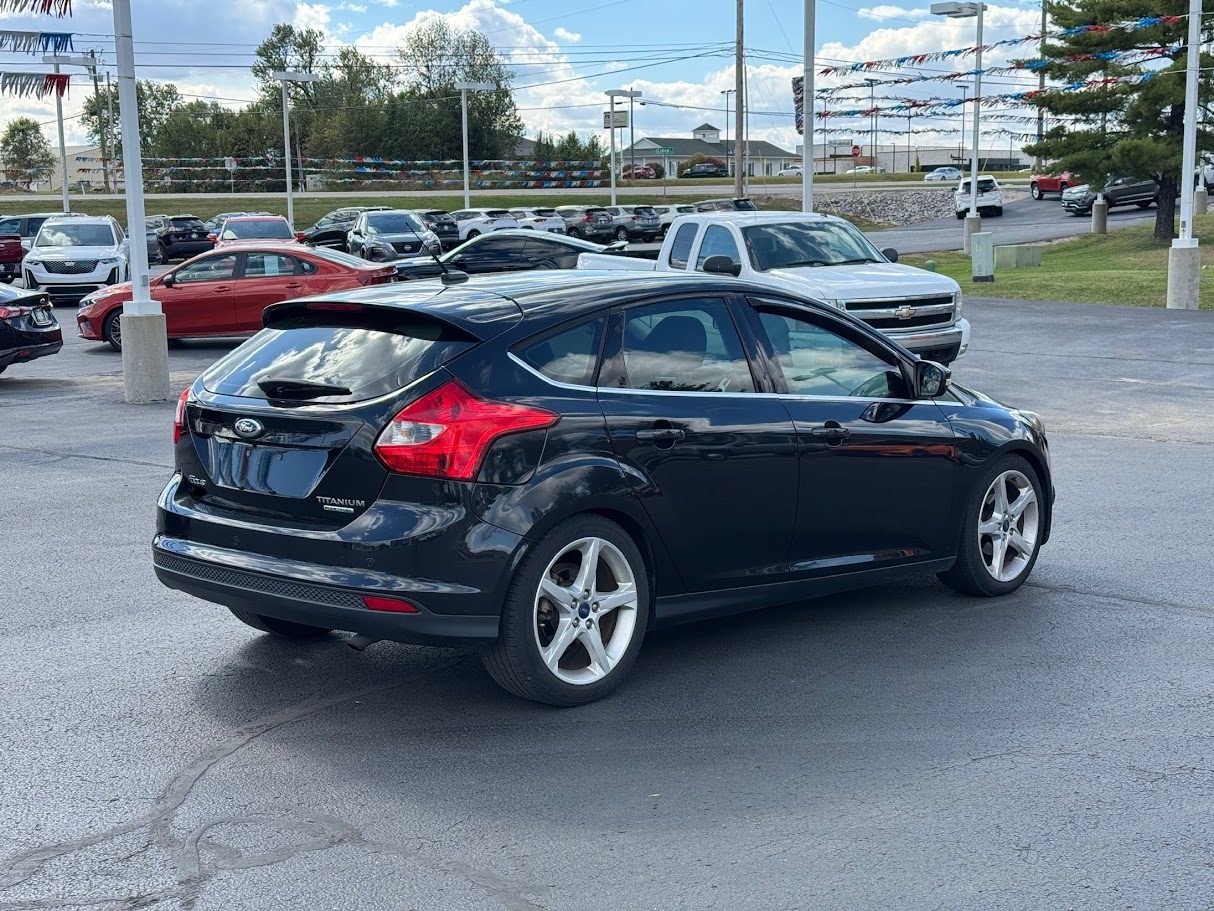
<point>1126,266</point>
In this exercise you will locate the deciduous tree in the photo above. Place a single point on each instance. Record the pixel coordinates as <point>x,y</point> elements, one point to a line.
<point>25,153</point>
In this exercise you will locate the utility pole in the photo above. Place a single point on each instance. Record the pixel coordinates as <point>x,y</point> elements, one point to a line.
<point>727,93</point>
<point>109,104</point>
<point>1038,164</point>
<point>632,136</point>
<point>106,124</point>
<point>739,83</point>
<point>67,202</point>
<point>909,133</point>
<point>872,122</point>
<point>807,110</point>
<point>283,78</point>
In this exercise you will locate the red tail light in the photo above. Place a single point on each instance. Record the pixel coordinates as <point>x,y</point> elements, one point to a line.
<point>636,218</point>
<point>446,433</point>
<point>586,218</point>
<point>179,417</point>
<point>394,605</point>
<point>11,312</point>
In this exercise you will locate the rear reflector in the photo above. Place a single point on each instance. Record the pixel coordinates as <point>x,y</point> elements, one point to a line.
<point>446,433</point>
<point>389,604</point>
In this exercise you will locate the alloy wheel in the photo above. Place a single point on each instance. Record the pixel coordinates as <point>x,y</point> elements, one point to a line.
<point>116,331</point>
<point>1008,525</point>
<point>585,611</point>
<point>1036,191</point>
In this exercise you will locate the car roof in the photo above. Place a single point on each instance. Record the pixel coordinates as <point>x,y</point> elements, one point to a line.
<point>94,219</point>
<point>482,300</point>
<point>528,234</point>
<point>257,218</point>
<point>766,218</point>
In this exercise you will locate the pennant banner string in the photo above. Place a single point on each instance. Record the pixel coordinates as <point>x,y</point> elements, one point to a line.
<point>58,8</point>
<point>35,42</point>
<point>37,85</point>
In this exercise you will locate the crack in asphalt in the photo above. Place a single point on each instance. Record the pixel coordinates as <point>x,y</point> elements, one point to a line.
<point>200,855</point>
<point>80,455</point>
<point>1125,599</point>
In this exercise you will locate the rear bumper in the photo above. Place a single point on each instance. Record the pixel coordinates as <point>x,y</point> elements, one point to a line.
<point>187,248</point>
<point>31,352</point>
<point>313,595</point>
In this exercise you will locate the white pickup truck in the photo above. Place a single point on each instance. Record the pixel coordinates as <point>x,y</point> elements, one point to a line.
<point>817,256</point>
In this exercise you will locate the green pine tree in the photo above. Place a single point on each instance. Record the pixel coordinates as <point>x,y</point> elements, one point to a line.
<point>1131,130</point>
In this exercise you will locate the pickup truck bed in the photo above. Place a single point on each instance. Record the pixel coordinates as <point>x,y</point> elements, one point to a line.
<point>11,254</point>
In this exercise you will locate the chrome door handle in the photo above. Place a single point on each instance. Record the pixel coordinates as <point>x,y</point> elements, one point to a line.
<point>832,433</point>
<point>661,435</point>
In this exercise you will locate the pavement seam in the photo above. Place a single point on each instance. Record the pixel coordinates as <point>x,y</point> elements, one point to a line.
<point>80,455</point>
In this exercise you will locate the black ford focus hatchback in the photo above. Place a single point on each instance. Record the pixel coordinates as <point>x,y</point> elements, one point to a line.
<point>544,467</point>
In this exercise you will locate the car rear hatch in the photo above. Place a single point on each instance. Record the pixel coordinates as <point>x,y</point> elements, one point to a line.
<point>11,250</point>
<point>600,218</point>
<point>646,216</point>
<point>282,430</point>
<point>184,231</point>
<point>441,223</point>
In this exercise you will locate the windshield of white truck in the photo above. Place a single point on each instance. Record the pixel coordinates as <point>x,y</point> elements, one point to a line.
<point>793,244</point>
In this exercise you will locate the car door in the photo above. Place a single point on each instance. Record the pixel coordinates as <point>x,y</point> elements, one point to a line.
<point>712,461</point>
<point>354,241</point>
<point>877,468</point>
<point>265,278</point>
<point>199,299</point>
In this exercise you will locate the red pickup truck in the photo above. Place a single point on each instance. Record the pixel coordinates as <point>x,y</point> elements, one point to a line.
<point>11,254</point>
<point>1040,184</point>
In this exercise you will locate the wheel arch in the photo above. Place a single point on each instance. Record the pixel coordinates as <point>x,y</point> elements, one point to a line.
<point>1036,459</point>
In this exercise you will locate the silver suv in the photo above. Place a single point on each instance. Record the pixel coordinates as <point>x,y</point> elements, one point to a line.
<point>75,256</point>
<point>635,222</point>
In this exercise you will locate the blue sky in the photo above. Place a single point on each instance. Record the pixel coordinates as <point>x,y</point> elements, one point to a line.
<point>564,55</point>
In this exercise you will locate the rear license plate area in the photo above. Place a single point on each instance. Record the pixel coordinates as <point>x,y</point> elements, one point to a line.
<point>42,317</point>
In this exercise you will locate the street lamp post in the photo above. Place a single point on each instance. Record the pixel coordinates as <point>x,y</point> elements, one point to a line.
<point>58,61</point>
<point>807,110</point>
<point>613,94</point>
<point>464,89</point>
<point>1184,259</point>
<point>968,10</point>
<point>284,78</point>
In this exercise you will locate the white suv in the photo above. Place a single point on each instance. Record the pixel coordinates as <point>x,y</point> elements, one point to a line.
<point>73,257</point>
<point>475,222</point>
<point>990,197</point>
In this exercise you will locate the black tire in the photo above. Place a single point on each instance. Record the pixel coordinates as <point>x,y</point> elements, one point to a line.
<point>1062,187</point>
<point>1035,191</point>
<point>961,215</point>
<point>621,233</point>
<point>7,279</point>
<point>514,660</point>
<point>969,575</point>
<point>474,233</point>
<point>111,329</point>
<point>999,212</point>
<point>1145,204</point>
<point>162,255</point>
<point>283,629</point>
<point>575,232</point>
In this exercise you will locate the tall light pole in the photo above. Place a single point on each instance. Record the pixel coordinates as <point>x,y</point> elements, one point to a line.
<point>284,78</point>
<point>58,61</point>
<point>613,94</point>
<point>464,89</point>
<point>1184,259</point>
<point>955,10</point>
<point>807,110</point>
<point>739,84</point>
<point>727,93</point>
<point>145,353</point>
<point>105,152</point>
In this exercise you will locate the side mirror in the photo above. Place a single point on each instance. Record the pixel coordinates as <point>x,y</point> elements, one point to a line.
<point>931,379</point>
<point>301,236</point>
<point>722,265</point>
<point>433,247</point>
<point>213,238</point>
<point>891,254</point>
<point>167,280</point>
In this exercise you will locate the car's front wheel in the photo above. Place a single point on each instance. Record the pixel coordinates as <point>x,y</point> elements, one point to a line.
<point>162,255</point>
<point>575,615</point>
<point>1035,190</point>
<point>1001,532</point>
<point>111,329</point>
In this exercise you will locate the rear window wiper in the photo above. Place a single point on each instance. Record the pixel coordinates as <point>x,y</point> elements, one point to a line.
<point>277,387</point>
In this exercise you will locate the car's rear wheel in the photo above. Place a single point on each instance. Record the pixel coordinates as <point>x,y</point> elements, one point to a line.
<point>111,330</point>
<point>621,233</point>
<point>1001,535</point>
<point>1035,190</point>
<point>575,232</point>
<point>162,255</point>
<point>575,615</point>
<point>961,215</point>
<point>1145,204</point>
<point>472,234</point>
<point>284,629</point>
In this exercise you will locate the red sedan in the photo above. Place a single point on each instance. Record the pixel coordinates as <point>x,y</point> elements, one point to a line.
<point>223,292</point>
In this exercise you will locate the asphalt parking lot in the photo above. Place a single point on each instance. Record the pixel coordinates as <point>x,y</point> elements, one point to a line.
<point>897,748</point>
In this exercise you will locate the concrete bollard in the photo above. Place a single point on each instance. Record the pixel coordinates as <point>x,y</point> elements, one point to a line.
<point>973,224</point>
<point>145,358</point>
<point>1100,216</point>
<point>1184,275</point>
<point>1201,201</point>
<point>982,259</point>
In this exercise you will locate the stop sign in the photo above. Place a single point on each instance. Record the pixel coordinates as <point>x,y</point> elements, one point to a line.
<point>855,151</point>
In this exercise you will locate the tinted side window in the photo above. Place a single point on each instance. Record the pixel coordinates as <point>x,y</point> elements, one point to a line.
<point>717,242</point>
<point>684,346</point>
<point>680,249</point>
<point>818,361</point>
<point>211,269</point>
<point>268,265</point>
<point>568,356</point>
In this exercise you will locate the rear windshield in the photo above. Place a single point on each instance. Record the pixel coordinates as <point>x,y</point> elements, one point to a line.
<point>985,185</point>
<point>274,228</point>
<point>644,210</point>
<point>591,211</point>
<point>497,213</point>
<point>439,217</point>
<point>186,221</point>
<point>544,213</point>
<point>744,205</point>
<point>371,353</point>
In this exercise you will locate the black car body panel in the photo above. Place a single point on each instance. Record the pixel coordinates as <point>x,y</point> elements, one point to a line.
<point>29,330</point>
<point>183,237</point>
<point>705,169</point>
<point>508,250</point>
<point>747,504</point>
<point>1118,191</point>
<point>443,226</point>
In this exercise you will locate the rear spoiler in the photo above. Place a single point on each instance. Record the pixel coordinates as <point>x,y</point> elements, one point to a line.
<point>417,309</point>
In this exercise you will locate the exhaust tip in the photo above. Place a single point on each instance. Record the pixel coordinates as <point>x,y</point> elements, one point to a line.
<point>360,641</point>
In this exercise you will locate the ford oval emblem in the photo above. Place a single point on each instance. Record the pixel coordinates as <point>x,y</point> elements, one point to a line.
<point>249,428</point>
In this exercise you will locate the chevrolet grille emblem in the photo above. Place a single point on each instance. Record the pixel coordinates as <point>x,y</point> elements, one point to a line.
<point>904,312</point>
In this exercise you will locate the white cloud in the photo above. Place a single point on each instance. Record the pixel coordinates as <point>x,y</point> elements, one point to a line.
<point>565,35</point>
<point>892,12</point>
<point>312,15</point>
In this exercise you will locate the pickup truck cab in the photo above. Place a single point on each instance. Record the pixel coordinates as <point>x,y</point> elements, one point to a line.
<point>820,257</point>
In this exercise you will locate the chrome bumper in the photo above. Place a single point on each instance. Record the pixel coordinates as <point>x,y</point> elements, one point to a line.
<point>931,339</point>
